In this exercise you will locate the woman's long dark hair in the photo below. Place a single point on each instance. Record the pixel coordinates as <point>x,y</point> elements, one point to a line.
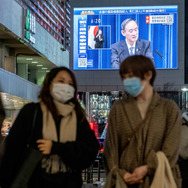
<point>46,97</point>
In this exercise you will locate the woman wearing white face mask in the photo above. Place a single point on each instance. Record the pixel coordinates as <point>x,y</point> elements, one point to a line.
<point>62,134</point>
<point>140,126</point>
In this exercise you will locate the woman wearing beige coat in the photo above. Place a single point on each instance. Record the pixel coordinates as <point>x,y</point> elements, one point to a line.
<point>140,125</point>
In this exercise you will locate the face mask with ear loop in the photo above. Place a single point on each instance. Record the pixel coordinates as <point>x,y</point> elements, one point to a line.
<point>62,92</point>
<point>133,86</point>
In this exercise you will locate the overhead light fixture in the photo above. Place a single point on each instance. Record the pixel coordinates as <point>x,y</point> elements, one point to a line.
<point>34,62</point>
<point>39,65</point>
<point>44,68</point>
<point>29,59</point>
<point>48,71</point>
<point>184,89</point>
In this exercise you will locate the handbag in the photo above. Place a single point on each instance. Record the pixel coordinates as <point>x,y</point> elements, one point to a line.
<point>31,159</point>
<point>163,175</point>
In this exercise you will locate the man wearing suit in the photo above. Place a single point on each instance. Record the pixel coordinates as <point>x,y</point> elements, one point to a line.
<point>99,39</point>
<point>131,45</point>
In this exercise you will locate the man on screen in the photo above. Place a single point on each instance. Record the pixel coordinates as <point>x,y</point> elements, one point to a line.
<point>99,39</point>
<point>131,45</point>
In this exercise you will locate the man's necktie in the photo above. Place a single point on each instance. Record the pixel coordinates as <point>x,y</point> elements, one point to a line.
<point>131,51</point>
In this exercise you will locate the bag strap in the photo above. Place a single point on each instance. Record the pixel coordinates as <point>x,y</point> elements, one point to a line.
<point>138,126</point>
<point>32,126</point>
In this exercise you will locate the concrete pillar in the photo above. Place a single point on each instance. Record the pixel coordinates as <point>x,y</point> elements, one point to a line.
<point>10,64</point>
<point>4,52</point>
<point>1,56</point>
<point>22,70</point>
<point>1,64</point>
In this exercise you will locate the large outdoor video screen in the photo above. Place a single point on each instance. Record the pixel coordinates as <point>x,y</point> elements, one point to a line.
<point>99,43</point>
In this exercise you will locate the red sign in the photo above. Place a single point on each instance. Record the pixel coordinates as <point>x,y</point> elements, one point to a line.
<point>147,19</point>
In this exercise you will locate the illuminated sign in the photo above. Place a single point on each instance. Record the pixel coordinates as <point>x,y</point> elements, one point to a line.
<point>49,14</point>
<point>30,26</point>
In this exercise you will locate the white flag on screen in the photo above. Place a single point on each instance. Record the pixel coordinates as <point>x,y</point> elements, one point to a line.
<point>91,35</point>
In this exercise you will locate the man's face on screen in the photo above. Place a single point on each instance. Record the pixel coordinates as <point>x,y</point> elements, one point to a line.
<point>131,32</point>
<point>100,32</point>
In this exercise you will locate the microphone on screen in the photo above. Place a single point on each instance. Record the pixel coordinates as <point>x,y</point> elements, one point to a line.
<point>159,54</point>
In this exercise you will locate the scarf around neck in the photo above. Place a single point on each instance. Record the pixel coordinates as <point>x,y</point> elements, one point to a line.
<point>67,132</point>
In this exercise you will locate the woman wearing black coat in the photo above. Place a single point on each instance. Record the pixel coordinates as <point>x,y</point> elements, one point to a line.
<point>61,133</point>
<point>2,138</point>
<point>2,112</point>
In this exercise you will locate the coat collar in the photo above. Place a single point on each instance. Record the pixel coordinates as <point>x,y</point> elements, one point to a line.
<point>132,111</point>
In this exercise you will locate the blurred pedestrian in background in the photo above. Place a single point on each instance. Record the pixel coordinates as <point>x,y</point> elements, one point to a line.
<point>61,133</point>
<point>183,159</point>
